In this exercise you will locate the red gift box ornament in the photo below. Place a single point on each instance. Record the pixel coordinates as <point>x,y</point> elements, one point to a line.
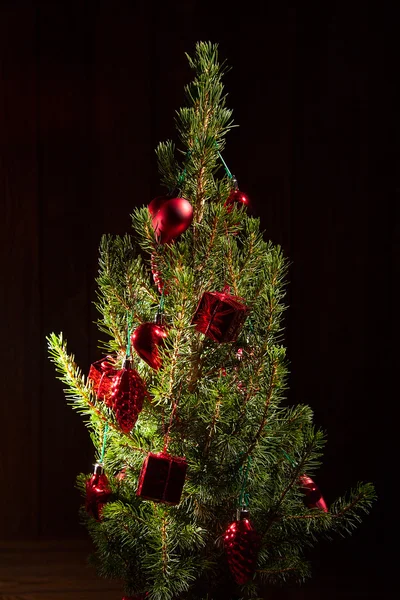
<point>242,544</point>
<point>162,477</point>
<point>127,395</point>
<point>312,495</point>
<point>98,492</point>
<point>101,373</point>
<point>220,316</point>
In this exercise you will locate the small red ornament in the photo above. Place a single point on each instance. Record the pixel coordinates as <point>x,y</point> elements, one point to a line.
<point>158,280</point>
<point>101,373</point>
<point>98,492</point>
<point>173,217</point>
<point>220,316</point>
<point>242,544</point>
<point>162,477</point>
<point>312,495</point>
<point>236,197</point>
<point>128,392</point>
<point>146,339</point>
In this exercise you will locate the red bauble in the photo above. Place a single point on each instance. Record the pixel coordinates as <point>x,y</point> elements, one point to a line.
<point>128,392</point>
<point>220,316</point>
<point>98,492</point>
<point>101,373</point>
<point>242,544</point>
<point>146,340</point>
<point>236,197</point>
<point>172,218</point>
<point>162,477</point>
<point>312,495</point>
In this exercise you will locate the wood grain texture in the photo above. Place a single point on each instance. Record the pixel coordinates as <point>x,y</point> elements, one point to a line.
<point>51,570</point>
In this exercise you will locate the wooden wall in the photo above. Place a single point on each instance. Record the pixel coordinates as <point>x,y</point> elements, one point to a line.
<point>87,89</point>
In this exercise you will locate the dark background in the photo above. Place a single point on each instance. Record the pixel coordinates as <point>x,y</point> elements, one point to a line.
<point>87,89</point>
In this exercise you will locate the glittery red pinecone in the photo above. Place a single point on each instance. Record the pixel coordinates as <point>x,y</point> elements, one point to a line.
<point>241,543</point>
<point>128,392</point>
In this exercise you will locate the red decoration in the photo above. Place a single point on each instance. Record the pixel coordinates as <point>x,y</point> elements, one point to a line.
<point>98,492</point>
<point>157,203</point>
<point>101,373</point>
<point>241,543</point>
<point>220,316</point>
<point>173,217</point>
<point>236,197</point>
<point>128,392</point>
<point>162,477</point>
<point>146,340</point>
<point>312,495</point>
<point>158,280</point>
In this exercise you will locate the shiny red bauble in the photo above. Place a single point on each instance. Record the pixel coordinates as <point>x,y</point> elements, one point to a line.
<point>236,197</point>
<point>171,217</point>
<point>146,340</point>
<point>98,492</point>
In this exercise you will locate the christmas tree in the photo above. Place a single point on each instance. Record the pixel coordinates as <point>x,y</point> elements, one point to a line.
<point>203,486</point>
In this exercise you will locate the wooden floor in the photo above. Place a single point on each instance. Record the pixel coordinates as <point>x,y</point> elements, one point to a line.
<point>51,571</point>
<point>58,570</point>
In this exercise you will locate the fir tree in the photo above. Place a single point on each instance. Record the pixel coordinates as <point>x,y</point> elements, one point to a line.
<point>221,405</point>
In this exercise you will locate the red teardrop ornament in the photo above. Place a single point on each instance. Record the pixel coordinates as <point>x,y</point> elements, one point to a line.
<point>146,340</point>
<point>312,494</point>
<point>157,203</point>
<point>173,218</point>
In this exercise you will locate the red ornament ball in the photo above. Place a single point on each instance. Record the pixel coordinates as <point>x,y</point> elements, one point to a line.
<point>128,392</point>
<point>312,495</point>
<point>98,492</point>
<point>242,544</point>
<point>146,340</point>
<point>236,197</point>
<point>171,219</point>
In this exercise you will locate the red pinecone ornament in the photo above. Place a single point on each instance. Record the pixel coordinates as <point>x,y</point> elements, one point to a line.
<point>128,392</point>
<point>242,544</point>
<point>146,340</point>
<point>312,494</point>
<point>98,492</point>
